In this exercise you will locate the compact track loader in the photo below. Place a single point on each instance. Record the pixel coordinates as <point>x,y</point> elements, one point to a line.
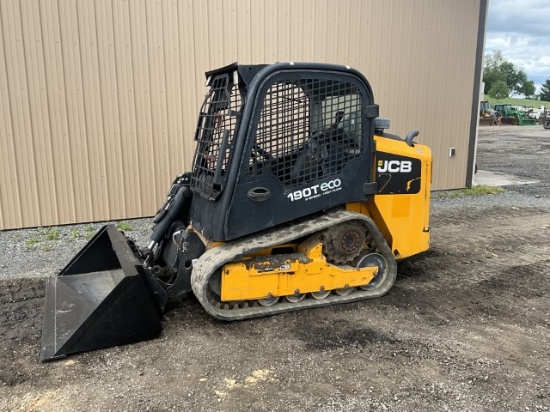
<point>297,199</point>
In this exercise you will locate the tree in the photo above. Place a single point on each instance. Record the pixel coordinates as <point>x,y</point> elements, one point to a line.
<point>515,78</point>
<point>545,91</point>
<point>499,90</point>
<point>528,89</point>
<point>497,69</point>
<point>491,70</point>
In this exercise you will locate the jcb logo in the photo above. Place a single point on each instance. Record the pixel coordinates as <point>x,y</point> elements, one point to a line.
<point>394,166</point>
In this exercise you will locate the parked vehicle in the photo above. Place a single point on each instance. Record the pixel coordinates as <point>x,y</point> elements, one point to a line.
<point>544,118</point>
<point>514,115</point>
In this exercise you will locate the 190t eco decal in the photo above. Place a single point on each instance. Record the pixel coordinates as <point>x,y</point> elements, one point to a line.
<point>316,191</point>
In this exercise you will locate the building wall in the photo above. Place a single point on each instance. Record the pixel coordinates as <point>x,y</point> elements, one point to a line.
<point>99,98</point>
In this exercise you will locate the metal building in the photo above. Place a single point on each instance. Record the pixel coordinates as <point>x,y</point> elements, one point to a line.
<point>99,98</point>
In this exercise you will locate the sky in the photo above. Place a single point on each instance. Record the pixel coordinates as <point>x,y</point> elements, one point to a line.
<point>520,29</point>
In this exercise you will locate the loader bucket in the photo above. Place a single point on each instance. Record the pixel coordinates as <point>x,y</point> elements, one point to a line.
<point>509,120</point>
<point>102,298</point>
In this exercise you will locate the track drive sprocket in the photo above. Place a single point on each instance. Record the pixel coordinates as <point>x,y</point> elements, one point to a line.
<point>343,243</point>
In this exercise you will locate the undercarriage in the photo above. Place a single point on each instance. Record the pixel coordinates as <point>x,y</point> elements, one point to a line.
<point>369,274</point>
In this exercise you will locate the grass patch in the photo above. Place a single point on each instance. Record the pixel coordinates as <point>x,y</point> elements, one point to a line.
<point>49,233</point>
<point>518,102</point>
<point>89,232</point>
<point>478,190</point>
<point>31,241</point>
<point>75,234</point>
<point>124,226</point>
<point>78,232</point>
<point>44,234</point>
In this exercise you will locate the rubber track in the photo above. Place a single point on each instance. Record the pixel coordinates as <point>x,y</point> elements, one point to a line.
<point>215,258</point>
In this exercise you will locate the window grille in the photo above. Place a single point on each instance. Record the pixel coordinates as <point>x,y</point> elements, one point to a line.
<point>308,130</point>
<point>214,135</point>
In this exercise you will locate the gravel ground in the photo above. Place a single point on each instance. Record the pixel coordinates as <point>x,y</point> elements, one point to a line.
<point>465,328</point>
<point>43,252</point>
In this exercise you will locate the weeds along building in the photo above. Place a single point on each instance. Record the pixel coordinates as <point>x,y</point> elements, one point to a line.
<point>100,98</point>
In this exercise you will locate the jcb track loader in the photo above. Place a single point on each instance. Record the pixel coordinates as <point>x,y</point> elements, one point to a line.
<point>297,199</point>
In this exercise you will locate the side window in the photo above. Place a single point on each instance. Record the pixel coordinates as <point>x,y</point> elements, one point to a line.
<point>282,130</point>
<point>344,113</point>
<point>215,131</point>
<point>308,131</point>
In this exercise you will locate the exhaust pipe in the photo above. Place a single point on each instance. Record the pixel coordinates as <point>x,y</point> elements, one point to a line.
<point>104,297</point>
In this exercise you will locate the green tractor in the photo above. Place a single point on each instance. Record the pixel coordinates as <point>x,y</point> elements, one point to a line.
<point>515,115</point>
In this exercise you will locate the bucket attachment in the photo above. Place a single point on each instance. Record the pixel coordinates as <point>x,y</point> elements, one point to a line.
<point>102,298</point>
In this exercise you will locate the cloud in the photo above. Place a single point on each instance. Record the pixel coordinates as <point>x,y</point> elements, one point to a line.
<point>521,31</point>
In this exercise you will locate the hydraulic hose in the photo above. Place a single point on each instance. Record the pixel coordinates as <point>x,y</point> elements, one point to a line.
<point>176,209</point>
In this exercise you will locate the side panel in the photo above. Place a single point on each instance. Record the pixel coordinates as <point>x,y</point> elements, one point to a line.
<point>304,272</point>
<point>401,207</point>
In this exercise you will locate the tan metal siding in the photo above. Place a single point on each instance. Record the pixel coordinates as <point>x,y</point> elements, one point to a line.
<point>100,97</point>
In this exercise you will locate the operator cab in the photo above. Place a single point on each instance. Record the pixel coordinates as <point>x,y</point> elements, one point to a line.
<point>281,141</point>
